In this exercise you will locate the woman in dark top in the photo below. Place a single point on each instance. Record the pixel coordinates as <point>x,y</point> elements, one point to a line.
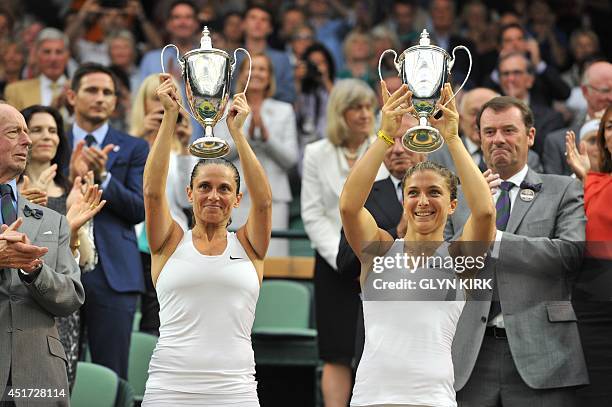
<point>43,184</point>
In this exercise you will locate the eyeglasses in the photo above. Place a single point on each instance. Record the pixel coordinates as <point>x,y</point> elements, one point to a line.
<point>517,72</point>
<point>603,91</point>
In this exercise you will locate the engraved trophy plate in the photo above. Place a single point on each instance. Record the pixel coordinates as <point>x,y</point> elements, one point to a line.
<point>425,69</point>
<point>207,73</point>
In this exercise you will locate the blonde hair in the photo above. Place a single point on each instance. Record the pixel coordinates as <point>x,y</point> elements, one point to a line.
<point>344,94</point>
<point>147,90</point>
<point>351,38</point>
<point>242,79</point>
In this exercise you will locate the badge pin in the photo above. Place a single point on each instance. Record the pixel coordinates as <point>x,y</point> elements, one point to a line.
<point>527,195</point>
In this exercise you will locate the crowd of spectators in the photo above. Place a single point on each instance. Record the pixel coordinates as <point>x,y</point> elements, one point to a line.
<point>552,55</point>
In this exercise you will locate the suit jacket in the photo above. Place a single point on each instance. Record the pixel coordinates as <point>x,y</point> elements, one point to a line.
<point>539,256</point>
<point>443,157</point>
<point>114,234</point>
<point>386,210</point>
<point>553,156</point>
<point>546,121</point>
<point>325,171</point>
<point>22,94</point>
<point>29,341</point>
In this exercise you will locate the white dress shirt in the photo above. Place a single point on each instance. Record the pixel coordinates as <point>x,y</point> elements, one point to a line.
<point>46,91</point>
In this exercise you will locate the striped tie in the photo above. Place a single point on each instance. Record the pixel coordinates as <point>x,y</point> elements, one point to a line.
<point>503,205</point>
<point>9,214</point>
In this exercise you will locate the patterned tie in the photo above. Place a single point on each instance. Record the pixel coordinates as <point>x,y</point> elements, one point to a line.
<point>9,214</point>
<point>503,205</point>
<point>503,215</point>
<point>90,140</point>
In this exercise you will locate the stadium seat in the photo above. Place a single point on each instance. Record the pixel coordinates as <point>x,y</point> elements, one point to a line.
<point>141,350</point>
<point>95,386</point>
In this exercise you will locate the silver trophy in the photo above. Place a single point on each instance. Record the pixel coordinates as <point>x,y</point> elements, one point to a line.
<point>425,69</point>
<point>207,73</point>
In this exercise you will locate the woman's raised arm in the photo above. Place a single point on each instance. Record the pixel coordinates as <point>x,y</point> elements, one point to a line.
<point>358,223</point>
<point>480,226</point>
<point>258,227</point>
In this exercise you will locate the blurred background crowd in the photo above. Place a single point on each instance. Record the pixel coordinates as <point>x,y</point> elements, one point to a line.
<point>553,55</point>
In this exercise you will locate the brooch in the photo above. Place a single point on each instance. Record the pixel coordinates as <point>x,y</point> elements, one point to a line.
<point>35,213</point>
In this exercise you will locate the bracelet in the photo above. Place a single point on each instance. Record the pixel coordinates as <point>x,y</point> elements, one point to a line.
<point>383,136</point>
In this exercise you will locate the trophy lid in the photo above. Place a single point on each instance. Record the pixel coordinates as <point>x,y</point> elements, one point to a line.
<point>206,41</point>
<point>424,38</point>
<point>206,46</point>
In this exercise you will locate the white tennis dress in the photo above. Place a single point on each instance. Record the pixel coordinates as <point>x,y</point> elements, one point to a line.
<point>408,336</point>
<point>207,304</point>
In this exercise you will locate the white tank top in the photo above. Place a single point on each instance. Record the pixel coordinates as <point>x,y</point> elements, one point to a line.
<point>407,353</point>
<point>207,308</point>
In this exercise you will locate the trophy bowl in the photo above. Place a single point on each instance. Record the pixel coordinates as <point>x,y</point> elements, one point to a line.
<point>207,73</point>
<point>425,69</point>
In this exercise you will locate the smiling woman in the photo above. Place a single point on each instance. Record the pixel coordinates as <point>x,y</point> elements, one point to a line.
<point>407,353</point>
<point>201,271</point>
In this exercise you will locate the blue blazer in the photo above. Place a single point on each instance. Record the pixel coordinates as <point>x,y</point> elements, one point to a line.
<point>115,238</point>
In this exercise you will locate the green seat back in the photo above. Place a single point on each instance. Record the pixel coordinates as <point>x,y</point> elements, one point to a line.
<point>282,304</point>
<point>94,386</point>
<point>141,350</point>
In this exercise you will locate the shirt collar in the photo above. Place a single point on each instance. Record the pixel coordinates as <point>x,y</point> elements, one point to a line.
<point>470,145</point>
<point>395,181</point>
<point>79,134</point>
<point>519,177</point>
<point>13,184</point>
<point>46,82</point>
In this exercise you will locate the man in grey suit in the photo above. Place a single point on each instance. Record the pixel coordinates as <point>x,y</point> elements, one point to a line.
<point>523,347</point>
<point>470,105</point>
<point>597,90</point>
<point>39,279</point>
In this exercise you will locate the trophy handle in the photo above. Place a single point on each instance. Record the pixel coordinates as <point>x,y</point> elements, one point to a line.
<point>394,63</point>
<point>246,86</point>
<point>178,57</point>
<point>467,76</point>
<point>182,64</point>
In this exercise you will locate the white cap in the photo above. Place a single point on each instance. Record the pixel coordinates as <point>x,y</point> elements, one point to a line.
<point>588,127</point>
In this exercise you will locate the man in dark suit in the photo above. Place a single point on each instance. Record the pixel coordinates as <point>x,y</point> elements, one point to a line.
<point>117,161</point>
<point>548,84</point>
<point>597,90</point>
<point>39,279</point>
<point>516,78</point>
<point>523,347</point>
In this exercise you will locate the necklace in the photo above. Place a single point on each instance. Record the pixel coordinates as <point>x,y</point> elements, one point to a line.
<point>350,155</point>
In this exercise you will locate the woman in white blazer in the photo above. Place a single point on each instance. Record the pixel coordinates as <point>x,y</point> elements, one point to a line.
<point>272,133</point>
<point>327,162</point>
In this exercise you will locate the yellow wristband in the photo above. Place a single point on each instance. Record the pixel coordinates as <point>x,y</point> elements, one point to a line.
<point>381,135</point>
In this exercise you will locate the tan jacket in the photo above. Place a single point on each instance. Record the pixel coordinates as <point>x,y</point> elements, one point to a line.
<point>22,94</point>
